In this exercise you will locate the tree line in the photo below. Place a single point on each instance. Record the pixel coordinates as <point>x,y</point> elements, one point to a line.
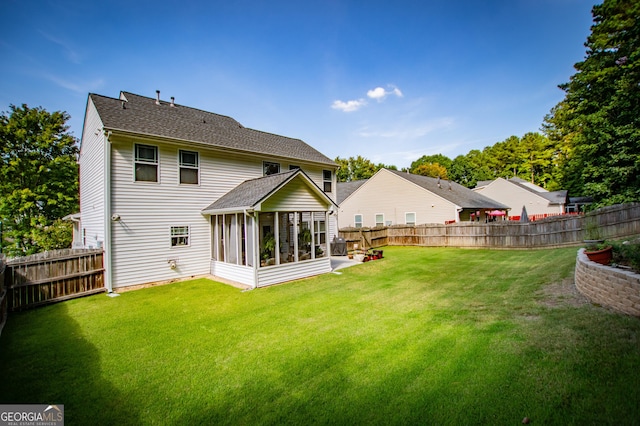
<point>533,157</point>
<point>590,141</point>
<point>589,145</point>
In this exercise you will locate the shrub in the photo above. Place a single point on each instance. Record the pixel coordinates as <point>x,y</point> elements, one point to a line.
<point>627,253</point>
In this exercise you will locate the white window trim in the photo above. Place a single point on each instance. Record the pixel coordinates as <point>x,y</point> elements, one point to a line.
<point>265,162</point>
<point>414,218</point>
<point>355,222</point>
<point>381,223</point>
<point>156,163</point>
<point>172,236</point>
<point>330,180</point>
<point>181,166</point>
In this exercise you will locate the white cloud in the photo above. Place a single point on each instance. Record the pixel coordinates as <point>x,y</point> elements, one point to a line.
<point>379,93</point>
<point>348,106</point>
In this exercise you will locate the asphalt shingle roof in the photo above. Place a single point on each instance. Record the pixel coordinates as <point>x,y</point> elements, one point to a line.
<point>344,189</point>
<point>450,191</point>
<point>141,115</point>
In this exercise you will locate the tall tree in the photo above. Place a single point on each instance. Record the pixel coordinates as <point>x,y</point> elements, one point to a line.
<point>598,122</point>
<point>440,159</point>
<point>357,168</point>
<point>38,180</point>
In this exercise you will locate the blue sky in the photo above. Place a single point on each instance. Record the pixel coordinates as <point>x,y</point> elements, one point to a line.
<point>390,81</point>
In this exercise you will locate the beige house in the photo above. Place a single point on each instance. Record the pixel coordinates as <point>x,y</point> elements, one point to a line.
<point>391,197</point>
<point>518,193</point>
<point>170,192</point>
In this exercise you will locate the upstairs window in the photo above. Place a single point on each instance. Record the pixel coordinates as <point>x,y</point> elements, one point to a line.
<point>270,168</point>
<point>326,180</point>
<point>189,167</point>
<point>146,163</point>
<point>179,236</point>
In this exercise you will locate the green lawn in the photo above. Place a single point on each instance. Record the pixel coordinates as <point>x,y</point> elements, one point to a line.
<point>423,336</point>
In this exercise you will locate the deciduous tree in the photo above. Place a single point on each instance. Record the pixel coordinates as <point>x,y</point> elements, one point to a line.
<point>38,180</point>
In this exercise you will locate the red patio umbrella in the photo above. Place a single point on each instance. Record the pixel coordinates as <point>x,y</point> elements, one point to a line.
<point>497,213</point>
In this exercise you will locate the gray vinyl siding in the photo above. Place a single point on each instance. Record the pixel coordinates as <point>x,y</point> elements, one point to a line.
<point>141,238</point>
<point>388,194</point>
<point>92,174</point>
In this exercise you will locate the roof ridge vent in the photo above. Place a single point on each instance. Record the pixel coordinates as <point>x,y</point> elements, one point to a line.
<point>157,97</point>
<point>173,101</point>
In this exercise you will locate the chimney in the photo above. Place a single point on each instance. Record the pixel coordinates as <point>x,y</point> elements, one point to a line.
<point>173,99</point>
<point>157,97</point>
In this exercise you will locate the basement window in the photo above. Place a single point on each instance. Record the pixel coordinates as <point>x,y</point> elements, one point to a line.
<point>179,236</point>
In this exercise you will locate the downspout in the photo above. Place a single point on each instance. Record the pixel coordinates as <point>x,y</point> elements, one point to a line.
<point>107,209</point>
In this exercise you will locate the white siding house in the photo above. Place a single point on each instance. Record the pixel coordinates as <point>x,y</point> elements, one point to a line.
<point>518,193</point>
<point>391,197</point>
<point>148,168</point>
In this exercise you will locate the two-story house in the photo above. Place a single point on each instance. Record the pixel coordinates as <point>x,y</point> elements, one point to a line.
<point>172,192</point>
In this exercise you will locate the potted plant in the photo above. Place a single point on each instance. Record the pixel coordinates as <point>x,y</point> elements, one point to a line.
<point>268,244</point>
<point>600,253</point>
<point>596,249</point>
<point>305,237</point>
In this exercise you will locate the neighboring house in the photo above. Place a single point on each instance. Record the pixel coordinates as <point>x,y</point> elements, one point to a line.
<point>391,197</point>
<point>172,192</point>
<point>517,193</point>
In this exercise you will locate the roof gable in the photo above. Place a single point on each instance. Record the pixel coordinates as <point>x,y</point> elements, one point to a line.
<point>250,194</point>
<point>555,197</point>
<point>345,189</point>
<point>145,116</point>
<point>450,191</point>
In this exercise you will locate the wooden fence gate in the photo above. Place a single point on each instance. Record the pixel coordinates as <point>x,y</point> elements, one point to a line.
<point>53,277</point>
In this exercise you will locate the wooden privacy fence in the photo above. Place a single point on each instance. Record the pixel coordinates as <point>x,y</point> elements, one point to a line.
<point>609,222</point>
<point>53,277</point>
<point>3,293</point>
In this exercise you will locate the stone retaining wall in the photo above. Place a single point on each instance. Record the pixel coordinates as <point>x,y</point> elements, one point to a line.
<point>608,286</point>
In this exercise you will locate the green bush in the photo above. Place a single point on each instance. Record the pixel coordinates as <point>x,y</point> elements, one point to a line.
<point>627,253</point>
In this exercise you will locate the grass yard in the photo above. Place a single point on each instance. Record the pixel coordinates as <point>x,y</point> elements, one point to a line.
<point>423,336</point>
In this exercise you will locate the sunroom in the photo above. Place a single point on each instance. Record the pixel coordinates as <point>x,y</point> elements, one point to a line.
<point>271,230</point>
